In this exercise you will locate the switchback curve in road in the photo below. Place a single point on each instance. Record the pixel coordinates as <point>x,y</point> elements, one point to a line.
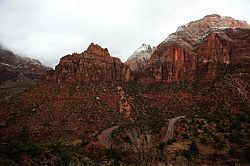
<point>170,131</point>
<point>105,137</point>
<point>106,140</point>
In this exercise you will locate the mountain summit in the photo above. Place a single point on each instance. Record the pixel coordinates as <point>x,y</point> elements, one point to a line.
<point>12,65</point>
<point>195,30</point>
<point>200,49</point>
<point>140,56</point>
<point>93,64</point>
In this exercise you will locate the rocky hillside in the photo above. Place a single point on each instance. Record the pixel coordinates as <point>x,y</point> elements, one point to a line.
<point>93,64</point>
<point>200,49</point>
<point>55,116</point>
<point>13,66</point>
<point>140,57</point>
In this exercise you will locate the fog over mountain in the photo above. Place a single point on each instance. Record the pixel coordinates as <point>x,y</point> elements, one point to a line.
<point>46,30</point>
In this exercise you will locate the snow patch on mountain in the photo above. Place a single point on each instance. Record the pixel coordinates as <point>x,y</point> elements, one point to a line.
<point>143,51</point>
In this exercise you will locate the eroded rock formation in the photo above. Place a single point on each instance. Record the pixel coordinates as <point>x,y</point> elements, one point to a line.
<point>199,49</point>
<point>93,64</point>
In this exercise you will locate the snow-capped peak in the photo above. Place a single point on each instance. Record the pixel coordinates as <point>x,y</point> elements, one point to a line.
<point>171,37</point>
<point>181,28</point>
<point>144,47</point>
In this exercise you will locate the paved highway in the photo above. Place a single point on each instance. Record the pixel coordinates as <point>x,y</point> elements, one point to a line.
<point>106,140</point>
<point>170,131</point>
<point>105,137</point>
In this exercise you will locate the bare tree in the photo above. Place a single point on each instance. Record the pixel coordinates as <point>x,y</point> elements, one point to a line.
<point>141,148</point>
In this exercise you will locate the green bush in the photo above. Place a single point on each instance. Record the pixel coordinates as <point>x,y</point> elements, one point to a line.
<point>56,146</point>
<point>7,162</point>
<point>114,154</point>
<point>232,151</point>
<point>24,133</point>
<point>65,153</point>
<point>234,137</point>
<point>193,149</point>
<point>170,141</point>
<point>206,130</point>
<point>221,127</point>
<point>34,149</point>
<point>203,140</point>
<point>246,154</point>
<point>217,139</point>
<point>186,154</point>
<point>15,149</point>
<point>162,145</point>
<point>185,136</point>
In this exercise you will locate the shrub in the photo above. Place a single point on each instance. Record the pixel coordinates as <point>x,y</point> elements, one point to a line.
<point>232,151</point>
<point>56,146</point>
<point>217,139</point>
<point>33,149</point>
<point>65,153</point>
<point>7,162</point>
<point>206,130</point>
<point>186,154</point>
<point>15,149</point>
<point>235,138</point>
<point>203,140</point>
<point>24,133</point>
<point>170,141</point>
<point>185,136</point>
<point>220,127</point>
<point>114,154</point>
<point>195,132</point>
<point>246,154</point>
<point>193,149</point>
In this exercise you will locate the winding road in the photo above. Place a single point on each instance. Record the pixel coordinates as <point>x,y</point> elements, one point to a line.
<point>105,137</point>
<point>170,131</point>
<point>106,140</point>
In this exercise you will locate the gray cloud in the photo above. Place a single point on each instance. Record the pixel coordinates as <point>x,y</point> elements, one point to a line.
<point>49,29</point>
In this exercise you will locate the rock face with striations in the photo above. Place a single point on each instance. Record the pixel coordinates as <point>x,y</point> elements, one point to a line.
<point>199,49</point>
<point>92,65</point>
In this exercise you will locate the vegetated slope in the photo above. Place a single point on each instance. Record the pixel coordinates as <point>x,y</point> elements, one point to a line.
<point>81,111</point>
<point>62,110</point>
<point>78,109</point>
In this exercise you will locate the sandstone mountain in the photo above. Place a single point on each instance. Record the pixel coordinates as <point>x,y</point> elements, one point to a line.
<point>93,64</point>
<point>140,57</point>
<point>200,49</point>
<point>13,66</point>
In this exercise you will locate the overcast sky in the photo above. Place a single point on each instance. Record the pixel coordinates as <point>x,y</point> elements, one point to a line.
<point>49,29</point>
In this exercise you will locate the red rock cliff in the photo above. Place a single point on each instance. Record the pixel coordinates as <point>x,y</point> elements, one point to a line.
<point>93,64</point>
<point>200,49</point>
